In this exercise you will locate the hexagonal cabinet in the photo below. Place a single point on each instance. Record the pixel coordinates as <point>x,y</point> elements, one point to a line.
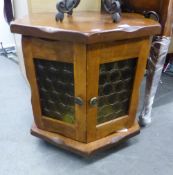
<point>85,75</point>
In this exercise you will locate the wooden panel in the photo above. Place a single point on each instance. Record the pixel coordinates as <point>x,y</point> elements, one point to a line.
<point>65,52</point>
<point>111,127</point>
<point>92,91</point>
<point>52,50</point>
<point>59,127</point>
<point>30,70</point>
<point>90,27</point>
<point>116,50</point>
<point>109,52</point>
<point>167,17</point>
<point>96,55</point>
<point>82,148</point>
<point>80,90</point>
<point>142,61</point>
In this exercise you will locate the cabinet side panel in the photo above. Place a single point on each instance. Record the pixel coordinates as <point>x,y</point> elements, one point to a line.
<point>29,65</point>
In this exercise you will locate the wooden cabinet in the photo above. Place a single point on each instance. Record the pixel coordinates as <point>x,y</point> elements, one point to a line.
<point>85,75</point>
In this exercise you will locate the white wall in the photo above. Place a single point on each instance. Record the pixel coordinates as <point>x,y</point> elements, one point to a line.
<point>20,10</point>
<point>5,35</point>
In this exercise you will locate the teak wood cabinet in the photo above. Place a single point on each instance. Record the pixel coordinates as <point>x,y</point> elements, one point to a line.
<point>85,75</point>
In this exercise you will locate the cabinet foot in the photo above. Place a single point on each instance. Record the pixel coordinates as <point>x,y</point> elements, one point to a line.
<point>85,149</point>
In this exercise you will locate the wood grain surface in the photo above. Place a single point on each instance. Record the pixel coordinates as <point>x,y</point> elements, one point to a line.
<point>86,27</point>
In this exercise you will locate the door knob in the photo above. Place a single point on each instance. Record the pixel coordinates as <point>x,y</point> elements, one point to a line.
<point>94,101</point>
<point>78,101</point>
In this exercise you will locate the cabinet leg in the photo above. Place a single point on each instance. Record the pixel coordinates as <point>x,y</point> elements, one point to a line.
<point>159,50</point>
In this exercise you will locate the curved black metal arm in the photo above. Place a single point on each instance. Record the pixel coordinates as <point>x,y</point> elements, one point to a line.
<point>151,14</point>
<point>65,6</point>
<point>114,8</point>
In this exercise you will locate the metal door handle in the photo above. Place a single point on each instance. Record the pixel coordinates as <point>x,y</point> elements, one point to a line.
<point>78,101</point>
<point>94,101</point>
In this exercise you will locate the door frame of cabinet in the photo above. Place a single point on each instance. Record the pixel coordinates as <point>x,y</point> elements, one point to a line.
<point>86,60</point>
<point>63,52</point>
<point>110,52</point>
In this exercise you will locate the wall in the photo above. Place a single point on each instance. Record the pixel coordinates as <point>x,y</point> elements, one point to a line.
<point>20,10</point>
<point>5,35</point>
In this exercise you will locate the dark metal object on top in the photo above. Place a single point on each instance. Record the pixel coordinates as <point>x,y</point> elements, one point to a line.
<point>78,101</point>
<point>65,6</point>
<point>147,14</point>
<point>151,14</point>
<point>113,7</point>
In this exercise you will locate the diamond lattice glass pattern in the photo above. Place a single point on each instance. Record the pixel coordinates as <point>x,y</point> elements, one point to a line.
<point>56,88</point>
<point>115,87</point>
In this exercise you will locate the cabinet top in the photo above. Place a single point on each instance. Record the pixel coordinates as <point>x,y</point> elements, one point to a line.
<point>86,27</point>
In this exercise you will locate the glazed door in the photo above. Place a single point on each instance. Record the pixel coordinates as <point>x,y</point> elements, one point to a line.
<point>57,75</point>
<point>114,74</point>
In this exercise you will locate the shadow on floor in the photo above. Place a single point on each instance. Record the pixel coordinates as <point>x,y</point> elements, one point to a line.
<point>93,158</point>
